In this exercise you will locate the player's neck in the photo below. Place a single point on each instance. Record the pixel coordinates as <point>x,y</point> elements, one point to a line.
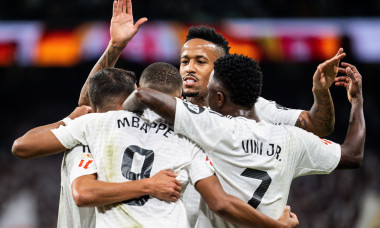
<point>108,108</point>
<point>198,100</point>
<point>249,114</point>
<point>237,110</point>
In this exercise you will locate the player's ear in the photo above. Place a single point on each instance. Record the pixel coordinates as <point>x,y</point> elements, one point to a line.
<point>221,99</point>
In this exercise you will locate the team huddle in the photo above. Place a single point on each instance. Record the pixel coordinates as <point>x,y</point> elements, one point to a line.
<point>194,147</point>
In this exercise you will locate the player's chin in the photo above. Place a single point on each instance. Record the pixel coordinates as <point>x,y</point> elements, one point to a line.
<point>190,92</point>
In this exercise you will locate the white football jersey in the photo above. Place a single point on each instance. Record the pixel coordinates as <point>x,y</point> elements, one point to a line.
<point>126,146</point>
<point>255,162</point>
<point>268,111</point>
<point>274,113</point>
<point>69,214</point>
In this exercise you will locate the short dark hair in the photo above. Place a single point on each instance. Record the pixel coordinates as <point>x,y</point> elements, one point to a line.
<point>108,83</point>
<point>241,76</point>
<point>161,76</point>
<point>208,34</point>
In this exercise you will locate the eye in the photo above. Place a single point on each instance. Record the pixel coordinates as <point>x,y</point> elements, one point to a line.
<point>184,61</point>
<point>201,61</point>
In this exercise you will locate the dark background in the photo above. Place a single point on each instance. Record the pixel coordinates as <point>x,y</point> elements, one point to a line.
<point>35,96</point>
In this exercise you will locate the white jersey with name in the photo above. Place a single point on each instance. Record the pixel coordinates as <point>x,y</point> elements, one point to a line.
<point>126,146</point>
<point>268,111</point>
<point>69,214</point>
<point>254,161</point>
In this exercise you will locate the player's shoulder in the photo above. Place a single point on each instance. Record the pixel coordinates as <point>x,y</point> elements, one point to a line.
<point>298,134</point>
<point>262,102</point>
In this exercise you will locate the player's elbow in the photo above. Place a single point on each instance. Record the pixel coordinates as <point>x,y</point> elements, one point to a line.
<point>19,149</point>
<point>351,159</point>
<point>82,196</point>
<point>322,130</point>
<point>328,130</point>
<point>357,161</point>
<point>220,206</point>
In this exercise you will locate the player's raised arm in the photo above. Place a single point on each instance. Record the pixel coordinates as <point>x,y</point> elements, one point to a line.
<point>236,211</point>
<point>40,141</point>
<point>89,192</point>
<point>122,30</point>
<point>320,120</point>
<point>353,147</point>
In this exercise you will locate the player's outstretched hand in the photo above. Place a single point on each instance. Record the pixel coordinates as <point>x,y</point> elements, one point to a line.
<point>288,218</point>
<point>80,111</point>
<point>122,26</point>
<point>352,81</point>
<point>164,186</point>
<point>326,72</point>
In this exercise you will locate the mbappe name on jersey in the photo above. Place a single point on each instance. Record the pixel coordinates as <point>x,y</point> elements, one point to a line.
<point>252,146</point>
<point>138,123</point>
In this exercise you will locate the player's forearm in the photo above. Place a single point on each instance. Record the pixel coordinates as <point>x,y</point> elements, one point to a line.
<point>133,104</point>
<point>320,120</point>
<point>108,59</point>
<point>231,208</point>
<point>89,192</point>
<point>353,146</point>
<point>242,214</point>
<point>38,144</point>
<point>163,104</point>
<point>236,211</point>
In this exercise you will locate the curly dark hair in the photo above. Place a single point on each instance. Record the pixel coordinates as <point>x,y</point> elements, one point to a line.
<point>241,76</point>
<point>208,34</point>
<point>108,83</point>
<point>161,76</point>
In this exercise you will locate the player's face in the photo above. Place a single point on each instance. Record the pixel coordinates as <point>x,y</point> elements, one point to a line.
<point>197,62</point>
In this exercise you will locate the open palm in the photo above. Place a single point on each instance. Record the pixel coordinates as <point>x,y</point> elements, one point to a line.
<point>122,27</point>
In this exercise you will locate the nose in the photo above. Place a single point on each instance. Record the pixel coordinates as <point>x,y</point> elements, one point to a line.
<point>190,68</point>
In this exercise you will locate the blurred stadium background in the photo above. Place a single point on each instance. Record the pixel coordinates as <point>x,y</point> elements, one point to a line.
<point>47,49</point>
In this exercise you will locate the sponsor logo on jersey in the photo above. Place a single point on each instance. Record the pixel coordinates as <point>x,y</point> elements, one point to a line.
<point>193,108</point>
<point>326,142</point>
<point>84,164</point>
<point>278,106</point>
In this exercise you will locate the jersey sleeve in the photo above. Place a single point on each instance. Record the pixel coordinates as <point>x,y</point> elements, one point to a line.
<point>273,113</point>
<point>83,163</point>
<point>316,155</point>
<point>72,134</point>
<point>201,125</point>
<point>200,167</point>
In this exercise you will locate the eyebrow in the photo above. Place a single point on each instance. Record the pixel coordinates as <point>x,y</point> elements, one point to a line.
<point>197,56</point>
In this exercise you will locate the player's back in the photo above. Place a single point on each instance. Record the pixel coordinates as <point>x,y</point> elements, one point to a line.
<point>69,214</point>
<point>255,166</point>
<point>254,161</point>
<point>126,146</point>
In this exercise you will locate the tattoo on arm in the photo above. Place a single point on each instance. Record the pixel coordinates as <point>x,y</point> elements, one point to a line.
<point>301,121</point>
<point>320,119</point>
<point>322,114</point>
<point>108,59</point>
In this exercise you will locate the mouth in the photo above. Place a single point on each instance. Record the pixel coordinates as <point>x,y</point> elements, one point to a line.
<point>190,80</point>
